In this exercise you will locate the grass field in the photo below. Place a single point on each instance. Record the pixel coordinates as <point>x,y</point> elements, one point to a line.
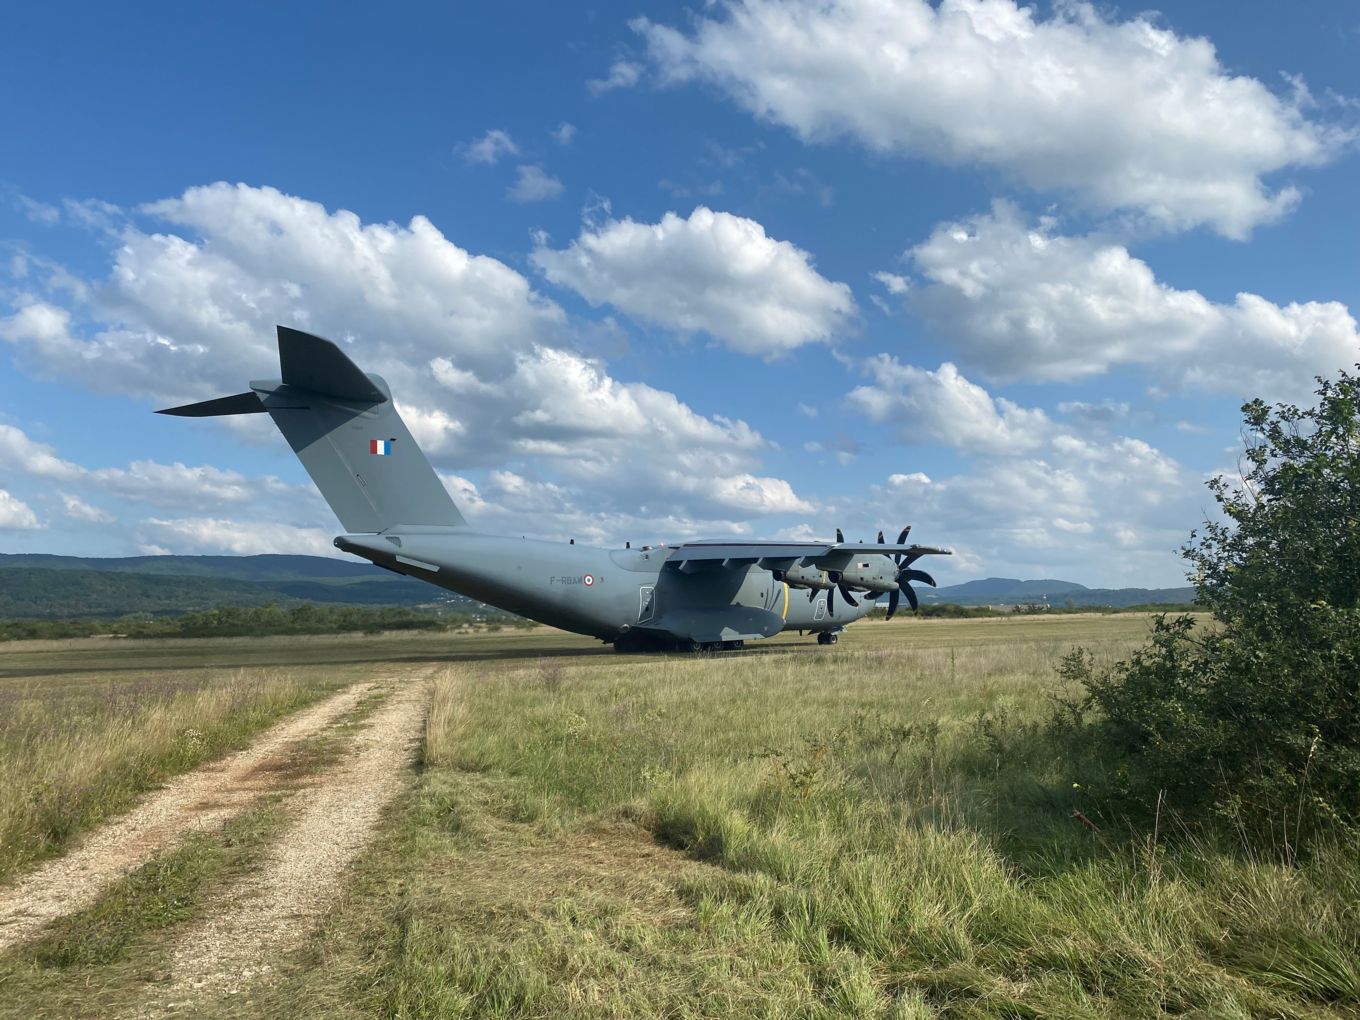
<point>873,829</point>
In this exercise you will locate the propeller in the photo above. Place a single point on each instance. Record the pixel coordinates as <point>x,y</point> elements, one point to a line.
<point>905,575</point>
<point>835,577</point>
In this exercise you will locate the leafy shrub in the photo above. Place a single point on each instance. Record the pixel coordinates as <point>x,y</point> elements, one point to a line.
<point>1256,716</point>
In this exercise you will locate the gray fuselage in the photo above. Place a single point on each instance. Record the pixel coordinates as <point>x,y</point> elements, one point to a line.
<point>606,593</point>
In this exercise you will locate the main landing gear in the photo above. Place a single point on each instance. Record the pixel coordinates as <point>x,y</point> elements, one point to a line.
<point>827,637</point>
<point>630,644</point>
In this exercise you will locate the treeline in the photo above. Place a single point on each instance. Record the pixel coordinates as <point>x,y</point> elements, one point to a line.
<point>32,592</point>
<point>258,621</point>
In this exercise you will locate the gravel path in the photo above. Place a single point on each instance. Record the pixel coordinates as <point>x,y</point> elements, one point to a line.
<point>201,799</point>
<point>275,907</point>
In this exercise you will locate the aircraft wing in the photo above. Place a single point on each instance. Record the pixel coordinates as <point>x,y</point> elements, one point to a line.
<point>782,555</point>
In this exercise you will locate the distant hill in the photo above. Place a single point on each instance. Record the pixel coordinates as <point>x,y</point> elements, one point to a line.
<point>76,586</point>
<point>1013,591</point>
<point>243,568</point>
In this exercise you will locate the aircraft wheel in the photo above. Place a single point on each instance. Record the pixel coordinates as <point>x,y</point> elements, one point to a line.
<point>827,638</point>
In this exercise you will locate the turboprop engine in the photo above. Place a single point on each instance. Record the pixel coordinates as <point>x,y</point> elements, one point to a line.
<point>872,573</point>
<point>799,576</point>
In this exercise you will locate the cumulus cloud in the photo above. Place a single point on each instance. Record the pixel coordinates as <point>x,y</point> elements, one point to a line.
<point>490,148</point>
<point>533,184</point>
<point>942,406</point>
<point>1034,493</point>
<point>1123,115</point>
<point>15,514</point>
<point>713,272</point>
<point>1021,301</point>
<point>159,536</point>
<point>19,453</point>
<point>144,481</point>
<point>483,366</point>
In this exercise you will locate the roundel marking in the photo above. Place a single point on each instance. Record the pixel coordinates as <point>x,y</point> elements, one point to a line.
<point>588,580</point>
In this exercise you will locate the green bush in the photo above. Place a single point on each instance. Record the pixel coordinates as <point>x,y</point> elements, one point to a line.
<point>1255,717</point>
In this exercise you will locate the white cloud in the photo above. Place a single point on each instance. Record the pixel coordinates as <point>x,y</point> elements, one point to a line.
<point>20,453</point>
<point>16,515</point>
<point>236,538</point>
<point>490,148</point>
<point>78,510</point>
<point>623,74</point>
<point>1019,301</point>
<point>1105,413</point>
<point>1124,115</point>
<point>145,481</point>
<point>943,406</point>
<point>714,272</point>
<point>177,484</point>
<point>533,184</point>
<point>481,364</point>
<point>893,283</point>
<point>564,133</point>
<point>1036,496</point>
<point>37,212</point>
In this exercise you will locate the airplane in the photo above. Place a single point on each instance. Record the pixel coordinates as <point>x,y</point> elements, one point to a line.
<point>692,596</point>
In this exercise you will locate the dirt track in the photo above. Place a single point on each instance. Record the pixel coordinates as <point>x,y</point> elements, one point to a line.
<point>201,799</point>
<point>274,908</point>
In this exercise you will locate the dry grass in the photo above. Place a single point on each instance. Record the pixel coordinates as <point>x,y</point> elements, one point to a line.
<point>881,829</point>
<point>75,750</point>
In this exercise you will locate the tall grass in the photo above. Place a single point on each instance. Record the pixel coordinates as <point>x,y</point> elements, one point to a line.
<point>892,824</point>
<point>73,752</point>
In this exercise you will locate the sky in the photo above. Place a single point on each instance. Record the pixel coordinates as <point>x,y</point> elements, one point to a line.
<point>651,272</point>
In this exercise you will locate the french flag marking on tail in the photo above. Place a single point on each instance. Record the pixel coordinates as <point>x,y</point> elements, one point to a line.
<point>381,447</point>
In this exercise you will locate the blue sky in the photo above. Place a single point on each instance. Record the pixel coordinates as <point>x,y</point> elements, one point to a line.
<point>652,272</point>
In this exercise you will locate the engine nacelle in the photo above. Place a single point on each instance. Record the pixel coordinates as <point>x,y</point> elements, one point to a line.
<point>872,572</point>
<point>798,576</point>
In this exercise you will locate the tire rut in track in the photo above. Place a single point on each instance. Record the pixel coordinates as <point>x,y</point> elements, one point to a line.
<point>276,907</point>
<point>201,799</point>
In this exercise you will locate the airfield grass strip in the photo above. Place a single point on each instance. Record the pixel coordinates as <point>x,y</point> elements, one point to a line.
<point>69,762</point>
<point>881,832</point>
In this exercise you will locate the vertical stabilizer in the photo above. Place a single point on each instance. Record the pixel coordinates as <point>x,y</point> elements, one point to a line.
<point>343,426</point>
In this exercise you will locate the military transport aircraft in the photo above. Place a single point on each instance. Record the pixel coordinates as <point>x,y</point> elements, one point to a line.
<point>343,426</point>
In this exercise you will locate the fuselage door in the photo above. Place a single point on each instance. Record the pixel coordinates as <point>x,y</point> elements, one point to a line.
<point>820,611</point>
<point>646,603</point>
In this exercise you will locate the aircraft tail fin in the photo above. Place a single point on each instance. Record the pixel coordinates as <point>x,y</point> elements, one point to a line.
<point>341,423</point>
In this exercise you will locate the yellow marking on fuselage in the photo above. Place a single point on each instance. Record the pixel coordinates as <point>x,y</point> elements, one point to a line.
<point>786,602</point>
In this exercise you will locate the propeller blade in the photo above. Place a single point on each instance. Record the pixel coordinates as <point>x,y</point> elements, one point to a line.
<point>831,602</point>
<point>840,537</point>
<point>892,605</point>
<point>880,536</point>
<point>915,575</point>
<point>850,599</point>
<point>901,540</point>
<point>911,597</point>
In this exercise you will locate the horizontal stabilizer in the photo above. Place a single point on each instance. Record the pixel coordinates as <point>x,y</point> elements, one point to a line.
<point>313,363</point>
<point>237,403</point>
